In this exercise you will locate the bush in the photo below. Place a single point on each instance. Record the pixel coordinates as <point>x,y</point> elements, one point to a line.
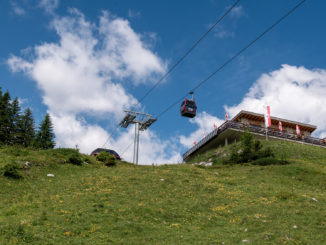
<point>11,170</point>
<point>89,159</point>
<point>235,156</point>
<point>267,152</point>
<point>106,158</point>
<point>76,159</point>
<point>251,150</point>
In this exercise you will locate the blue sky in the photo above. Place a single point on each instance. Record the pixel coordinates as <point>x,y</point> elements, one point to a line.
<point>85,61</point>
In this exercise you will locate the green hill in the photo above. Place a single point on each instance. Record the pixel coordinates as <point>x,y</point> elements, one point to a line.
<point>170,204</point>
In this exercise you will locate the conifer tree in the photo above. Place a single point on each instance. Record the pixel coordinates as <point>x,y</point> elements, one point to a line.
<point>45,136</point>
<point>15,123</point>
<point>27,127</point>
<point>5,118</point>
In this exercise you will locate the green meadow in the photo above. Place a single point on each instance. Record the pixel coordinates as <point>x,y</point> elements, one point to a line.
<point>168,204</point>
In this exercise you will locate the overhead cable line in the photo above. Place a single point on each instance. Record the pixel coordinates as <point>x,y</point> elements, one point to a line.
<point>177,63</point>
<point>234,56</point>
<point>187,53</point>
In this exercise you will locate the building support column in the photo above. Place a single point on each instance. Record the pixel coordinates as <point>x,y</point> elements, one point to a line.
<point>226,141</point>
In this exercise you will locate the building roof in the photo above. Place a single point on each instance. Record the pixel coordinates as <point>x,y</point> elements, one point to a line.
<point>275,120</point>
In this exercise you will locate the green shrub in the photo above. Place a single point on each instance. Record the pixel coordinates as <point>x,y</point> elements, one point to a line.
<point>257,146</point>
<point>88,159</point>
<point>251,150</point>
<point>75,158</point>
<point>106,158</point>
<point>11,170</point>
<point>247,145</point>
<point>235,156</point>
<point>267,152</point>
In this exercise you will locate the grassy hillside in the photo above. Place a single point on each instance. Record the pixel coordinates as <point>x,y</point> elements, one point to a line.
<point>175,204</point>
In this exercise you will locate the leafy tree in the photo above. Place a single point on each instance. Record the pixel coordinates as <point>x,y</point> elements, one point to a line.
<point>45,136</point>
<point>27,127</point>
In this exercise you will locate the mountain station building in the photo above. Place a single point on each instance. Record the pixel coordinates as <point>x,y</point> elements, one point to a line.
<point>231,131</point>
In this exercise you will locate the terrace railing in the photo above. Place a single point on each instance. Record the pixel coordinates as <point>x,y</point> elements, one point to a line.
<point>254,129</point>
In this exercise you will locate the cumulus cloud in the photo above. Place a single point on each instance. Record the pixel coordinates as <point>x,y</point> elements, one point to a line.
<point>205,124</point>
<point>294,93</point>
<point>84,73</point>
<point>152,149</point>
<point>72,131</point>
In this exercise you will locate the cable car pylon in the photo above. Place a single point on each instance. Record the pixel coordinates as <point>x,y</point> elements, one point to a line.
<point>142,122</point>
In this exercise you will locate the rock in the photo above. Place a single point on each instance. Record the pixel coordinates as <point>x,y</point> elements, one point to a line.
<point>27,165</point>
<point>294,227</point>
<point>50,175</point>
<point>161,179</point>
<point>314,199</point>
<point>208,164</point>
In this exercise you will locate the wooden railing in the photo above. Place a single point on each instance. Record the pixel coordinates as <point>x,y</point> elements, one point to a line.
<point>256,130</point>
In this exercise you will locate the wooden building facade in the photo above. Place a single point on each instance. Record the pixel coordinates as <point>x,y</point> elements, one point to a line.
<point>288,126</point>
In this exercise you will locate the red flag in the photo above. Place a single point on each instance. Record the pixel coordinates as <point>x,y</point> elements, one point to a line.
<point>226,117</point>
<point>204,134</point>
<point>194,142</point>
<point>215,127</point>
<point>298,130</point>
<point>280,127</point>
<point>268,122</point>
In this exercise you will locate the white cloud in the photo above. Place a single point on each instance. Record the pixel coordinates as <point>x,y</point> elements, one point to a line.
<point>205,123</point>
<point>133,14</point>
<point>17,9</point>
<point>221,32</point>
<point>71,131</point>
<point>237,12</point>
<point>151,148</point>
<point>294,93</point>
<point>84,73</point>
<point>49,5</point>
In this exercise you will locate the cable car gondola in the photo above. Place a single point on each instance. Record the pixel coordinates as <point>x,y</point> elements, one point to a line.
<point>188,107</point>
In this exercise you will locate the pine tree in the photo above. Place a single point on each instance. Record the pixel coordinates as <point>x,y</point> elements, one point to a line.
<point>27,127</point>
<point>5,118</point>
<point>15,123</point>
<point>45,136</point>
